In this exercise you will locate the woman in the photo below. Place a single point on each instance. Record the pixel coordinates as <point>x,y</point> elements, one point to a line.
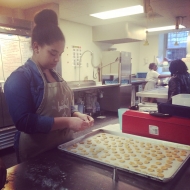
<point>40,101</point>
<point>180,80</point>
<point>152,78</point>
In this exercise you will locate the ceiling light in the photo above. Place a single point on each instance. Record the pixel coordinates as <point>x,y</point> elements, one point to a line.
<point>164,28</point>
<point>119,12</point>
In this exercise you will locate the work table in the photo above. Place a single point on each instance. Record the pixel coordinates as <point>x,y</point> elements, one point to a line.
<point>58,170</point>
<point>160,92</point>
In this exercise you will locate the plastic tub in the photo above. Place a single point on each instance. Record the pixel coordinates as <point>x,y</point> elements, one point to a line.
<point>141,75</point>
<point>181,99</point>
<point>121,111</point>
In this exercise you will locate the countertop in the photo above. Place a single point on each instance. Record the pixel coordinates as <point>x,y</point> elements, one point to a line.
<point>137,81</point>
<point>60,171</point>
<point>90,85</point>
<point>160,92</point>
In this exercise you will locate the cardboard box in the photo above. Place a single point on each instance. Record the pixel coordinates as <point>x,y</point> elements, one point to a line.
<point>173,129</point>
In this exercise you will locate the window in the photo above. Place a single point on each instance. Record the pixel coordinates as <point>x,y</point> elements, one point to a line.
<point>176,45</point>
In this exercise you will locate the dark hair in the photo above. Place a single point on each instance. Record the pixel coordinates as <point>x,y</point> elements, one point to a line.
<point>151,65</point>
<point>178,67</point>
<point>46,30</point>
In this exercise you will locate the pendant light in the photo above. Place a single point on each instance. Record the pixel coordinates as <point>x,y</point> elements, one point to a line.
<point>146,43</point>
<point>179,21</point>
<point>176,42</point>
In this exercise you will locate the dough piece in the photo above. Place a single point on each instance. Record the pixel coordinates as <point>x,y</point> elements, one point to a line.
<point>169,161</point>
<point>104,156</point>
<point>143,156</point>
<point>168,165</point>
<point>150,169</point>
<point>180,159</point>
<point>159,170</point>
<point>143,167</point>
<point>154,155</point>
<point>153,166</point>
<point>74,146</point>
<point>164,167</point>
<point>122,161</point>
<point>160,175</point>
<point>125,166</point>
<point>139,163</point>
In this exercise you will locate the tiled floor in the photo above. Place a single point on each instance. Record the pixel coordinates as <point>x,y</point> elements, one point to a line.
<point>8,155</point>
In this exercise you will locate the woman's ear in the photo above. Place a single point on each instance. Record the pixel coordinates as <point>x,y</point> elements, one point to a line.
<point>35,47</point>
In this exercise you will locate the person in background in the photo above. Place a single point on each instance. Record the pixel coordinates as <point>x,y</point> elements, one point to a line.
<point>151,79</point>
<point>3,174</point>
<point>40,101</point>
<point>180,79</point>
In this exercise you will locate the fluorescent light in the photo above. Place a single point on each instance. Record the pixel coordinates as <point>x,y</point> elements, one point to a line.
<point>164,28</point>
<point>119,12</point>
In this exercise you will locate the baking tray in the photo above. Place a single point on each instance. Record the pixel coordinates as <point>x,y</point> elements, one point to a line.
<point>147,157</point>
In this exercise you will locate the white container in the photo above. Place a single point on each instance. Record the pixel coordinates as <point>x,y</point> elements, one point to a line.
<point>121,111</point>
<point>181,99</point>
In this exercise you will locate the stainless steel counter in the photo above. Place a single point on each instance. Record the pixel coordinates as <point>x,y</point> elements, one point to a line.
<point>88,85</point>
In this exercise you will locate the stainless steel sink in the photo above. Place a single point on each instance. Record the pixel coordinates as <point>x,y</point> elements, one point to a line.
<point>74,84</point>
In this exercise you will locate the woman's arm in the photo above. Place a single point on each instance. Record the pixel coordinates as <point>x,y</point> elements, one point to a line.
<point>163,76</point>
<point>22,107</point>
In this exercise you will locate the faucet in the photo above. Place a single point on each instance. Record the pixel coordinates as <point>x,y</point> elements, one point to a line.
<point>80,62</point>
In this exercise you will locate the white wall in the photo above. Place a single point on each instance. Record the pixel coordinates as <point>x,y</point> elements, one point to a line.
<point>80,35</point>
<point>148,53</point>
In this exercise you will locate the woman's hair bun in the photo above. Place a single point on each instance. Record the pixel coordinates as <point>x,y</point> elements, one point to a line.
<point>46,16</point>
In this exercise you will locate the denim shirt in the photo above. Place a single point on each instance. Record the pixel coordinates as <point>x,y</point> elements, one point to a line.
<point>24,91</point>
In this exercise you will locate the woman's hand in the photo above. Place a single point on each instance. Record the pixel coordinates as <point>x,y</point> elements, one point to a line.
<point>3,174</point>
<point>84,117</point>
<point>78,122</point>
